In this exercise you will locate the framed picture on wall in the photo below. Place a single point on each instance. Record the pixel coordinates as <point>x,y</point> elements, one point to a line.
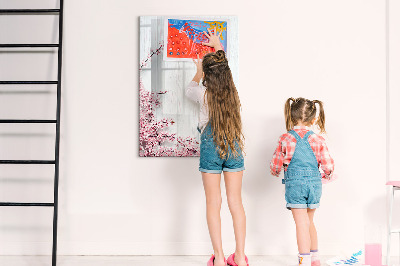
<point>168,119</point>
<point>183,37</point>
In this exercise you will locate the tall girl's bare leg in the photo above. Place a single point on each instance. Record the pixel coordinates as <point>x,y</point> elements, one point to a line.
<point>233,183</point>
<point>212,188</point>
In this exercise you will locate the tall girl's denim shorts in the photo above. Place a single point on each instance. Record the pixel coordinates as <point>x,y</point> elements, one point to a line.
<point>210,160</point>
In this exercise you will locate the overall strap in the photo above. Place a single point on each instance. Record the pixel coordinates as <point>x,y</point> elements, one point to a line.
<point>309,133</point>
<point>303,164</point>
<point>294,133</point>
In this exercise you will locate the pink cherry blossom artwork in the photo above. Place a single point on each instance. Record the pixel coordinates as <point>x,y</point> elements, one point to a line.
<point>156,139</point>
<point>168,119</point>
<point>153,133</point>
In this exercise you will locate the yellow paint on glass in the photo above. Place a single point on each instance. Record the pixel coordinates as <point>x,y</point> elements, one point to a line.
<point>219,26</point>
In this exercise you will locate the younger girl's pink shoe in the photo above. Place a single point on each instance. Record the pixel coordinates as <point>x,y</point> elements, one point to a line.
<point>231,260</point>
<point>211,261</point>
<point>316,263</point>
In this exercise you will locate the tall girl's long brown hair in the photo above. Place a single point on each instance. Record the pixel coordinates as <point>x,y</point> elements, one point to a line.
<point>223,104</point>
<point>303,110</point>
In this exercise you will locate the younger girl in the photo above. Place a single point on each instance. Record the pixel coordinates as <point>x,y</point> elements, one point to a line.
<point>221,147</point>
<point>302,152</point>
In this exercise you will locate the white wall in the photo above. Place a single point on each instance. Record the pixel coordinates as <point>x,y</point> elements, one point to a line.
<point>394,110</point>
<point>113,202</point>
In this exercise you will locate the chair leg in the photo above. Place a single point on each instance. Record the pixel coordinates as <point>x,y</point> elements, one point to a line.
<point>391,196</point>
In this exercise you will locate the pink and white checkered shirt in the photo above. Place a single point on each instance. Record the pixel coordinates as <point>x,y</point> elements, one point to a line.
<point>287,144</point>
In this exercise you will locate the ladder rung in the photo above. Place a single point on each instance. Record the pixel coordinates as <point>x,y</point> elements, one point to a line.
<point>7,11</point>
<point>38,204</point>
<point>29,82</point>
<point>33,45</point>
<point>27,121</point>
<point>27,161</point>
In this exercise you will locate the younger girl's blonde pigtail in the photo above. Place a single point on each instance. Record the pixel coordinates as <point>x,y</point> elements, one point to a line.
<point>288,114</point>
<point>321,116</point>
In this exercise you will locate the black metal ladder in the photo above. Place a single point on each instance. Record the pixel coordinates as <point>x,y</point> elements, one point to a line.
<point>57,82</point>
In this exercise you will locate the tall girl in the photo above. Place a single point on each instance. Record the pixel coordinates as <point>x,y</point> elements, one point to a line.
<point>302,153</point>
<point>221,147</point>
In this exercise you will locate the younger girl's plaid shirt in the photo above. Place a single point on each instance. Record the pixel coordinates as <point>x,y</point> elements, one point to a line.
<point>287,144</point>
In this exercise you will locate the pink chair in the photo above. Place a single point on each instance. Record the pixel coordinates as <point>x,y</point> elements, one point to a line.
<point>394,185</point>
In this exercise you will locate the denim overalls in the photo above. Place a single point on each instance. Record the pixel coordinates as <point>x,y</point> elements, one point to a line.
<point>302,181</point>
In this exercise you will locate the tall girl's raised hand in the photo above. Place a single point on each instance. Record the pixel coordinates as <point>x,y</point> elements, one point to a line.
<point>199,66</point>
<point>213,39</point>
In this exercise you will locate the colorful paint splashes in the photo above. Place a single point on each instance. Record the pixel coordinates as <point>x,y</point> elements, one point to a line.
<point>185,37</point>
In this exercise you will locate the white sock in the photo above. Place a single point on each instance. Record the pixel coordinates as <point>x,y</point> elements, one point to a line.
<point>305,260</point>
<point>314,255</point>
